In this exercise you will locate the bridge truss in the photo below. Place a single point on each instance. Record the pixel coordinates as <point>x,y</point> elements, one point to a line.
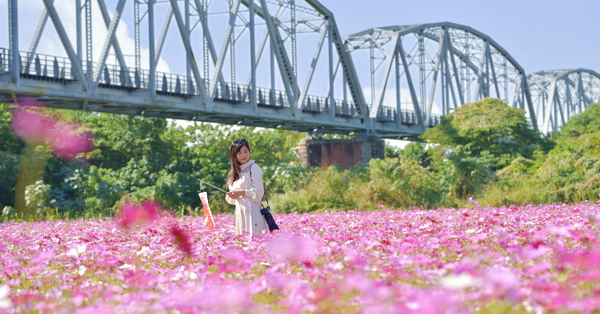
<point>560,94</point>
<point>235,62</point>
<point>431,69</point>
<point>269,63</point>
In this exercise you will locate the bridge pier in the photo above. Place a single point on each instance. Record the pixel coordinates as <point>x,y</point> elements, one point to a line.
<point>346,153</point>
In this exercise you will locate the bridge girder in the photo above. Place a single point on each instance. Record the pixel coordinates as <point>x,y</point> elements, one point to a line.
<point>269,63</point>
<point>560,94</point>
<point>223,61</point>
<point>440,66</point>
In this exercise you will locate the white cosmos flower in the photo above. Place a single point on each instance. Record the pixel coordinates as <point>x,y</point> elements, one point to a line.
<point>458,281</point>
<point>73,252</point>
<point>4,299</point>
<point>81,270</point>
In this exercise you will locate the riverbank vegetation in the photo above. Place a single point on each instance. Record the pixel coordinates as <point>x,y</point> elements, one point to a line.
<point>484,150</point>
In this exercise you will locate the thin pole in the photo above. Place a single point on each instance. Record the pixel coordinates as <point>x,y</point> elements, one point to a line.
<point>212,186</point>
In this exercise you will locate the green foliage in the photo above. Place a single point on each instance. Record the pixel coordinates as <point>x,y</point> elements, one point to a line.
<point>390,151</point>
<point>9,141</point>
<point>462,174</point>
<point>36,195</point>
<point>328,189</point>
<point>482,150</point>
<point>488,125</point>
<point>416,151</point>
<point>9,167</point>
<point>399,183</point>
<point>389,182</point>
<point>572,169</point>
<point>138,158</point>
<point>586,122</point>
<point>568,173</point>
<point>119,139</point>
<point>290,177</point>
<point>477,139</point>
<point>11,146</point>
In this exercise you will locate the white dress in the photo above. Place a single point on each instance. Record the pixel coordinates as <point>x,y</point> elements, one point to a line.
<point>247,208</point>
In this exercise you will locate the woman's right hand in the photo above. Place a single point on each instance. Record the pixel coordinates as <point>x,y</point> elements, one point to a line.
<point>236,194</point>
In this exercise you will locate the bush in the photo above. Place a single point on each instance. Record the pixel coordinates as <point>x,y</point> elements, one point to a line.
<point>391,182</point>
<point>399,183</point>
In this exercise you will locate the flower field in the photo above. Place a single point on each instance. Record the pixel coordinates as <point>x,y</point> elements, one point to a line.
<point>508,259</point>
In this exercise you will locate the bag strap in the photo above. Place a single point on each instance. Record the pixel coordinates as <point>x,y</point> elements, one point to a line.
<point>265,190</point>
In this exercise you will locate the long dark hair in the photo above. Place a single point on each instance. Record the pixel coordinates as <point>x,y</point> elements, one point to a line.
<point>234,173</point>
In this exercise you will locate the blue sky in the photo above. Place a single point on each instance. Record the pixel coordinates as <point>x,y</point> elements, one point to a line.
<point>540,35</point>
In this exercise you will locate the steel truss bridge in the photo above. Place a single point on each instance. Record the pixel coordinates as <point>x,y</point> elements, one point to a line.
<point>269,63</point>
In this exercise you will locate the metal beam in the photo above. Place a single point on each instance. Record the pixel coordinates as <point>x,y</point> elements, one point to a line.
<point>345,61</point>
<point>188,49</point>
<point>110,38</point>
<point>35,41</point>
<point>60,30</point>
<point>387,68</point>
<point>15,58</point>
<point>116,46</point>
<point>285,68</point>
<point>436,70</point>
<point>163,34</point>
<point>313,66</point>
<point>208,38</point>
<point>233,12</point>
<point>411,87</point>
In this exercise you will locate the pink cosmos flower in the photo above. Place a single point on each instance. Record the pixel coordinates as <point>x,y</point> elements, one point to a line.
<point>586,264</point>
<point>31,124</point>
<point>501,281</point>
<point>294,248</point>
<point>34,124</point>
<point>181,239</point>
<point>364,262</point>
<point>470,199</point>
<point>131,214</point>
<point>66,140</point>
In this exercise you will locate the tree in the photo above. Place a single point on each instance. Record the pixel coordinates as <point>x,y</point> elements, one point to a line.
<point>477,139</point>
<point>416,151</point>
<point>400,183</point>
<point>586,122</point>
<point>11,147</point>
<point>487,125</point>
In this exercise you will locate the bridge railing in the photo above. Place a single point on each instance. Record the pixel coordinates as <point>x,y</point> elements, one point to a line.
<point>239,93</point>
<point>434,120</point>
<point>4,66</point>
<point>316,105</point>
<point>46,68</point>
<point>58,69</point>
<point>407,117</point>
<point>344,108</point>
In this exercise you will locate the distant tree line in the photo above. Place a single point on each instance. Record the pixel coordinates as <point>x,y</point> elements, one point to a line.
<point>483,150</point>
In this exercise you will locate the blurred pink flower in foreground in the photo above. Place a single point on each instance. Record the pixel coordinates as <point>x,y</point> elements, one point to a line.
<point>181,239</point>
<point>501,281</point>
<point>66,139</point>
<point>131,213</point>
<point>294,248</point>
<point>147,211</point>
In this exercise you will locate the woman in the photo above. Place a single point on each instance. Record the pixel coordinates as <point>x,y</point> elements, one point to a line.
<point>246,190</point>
